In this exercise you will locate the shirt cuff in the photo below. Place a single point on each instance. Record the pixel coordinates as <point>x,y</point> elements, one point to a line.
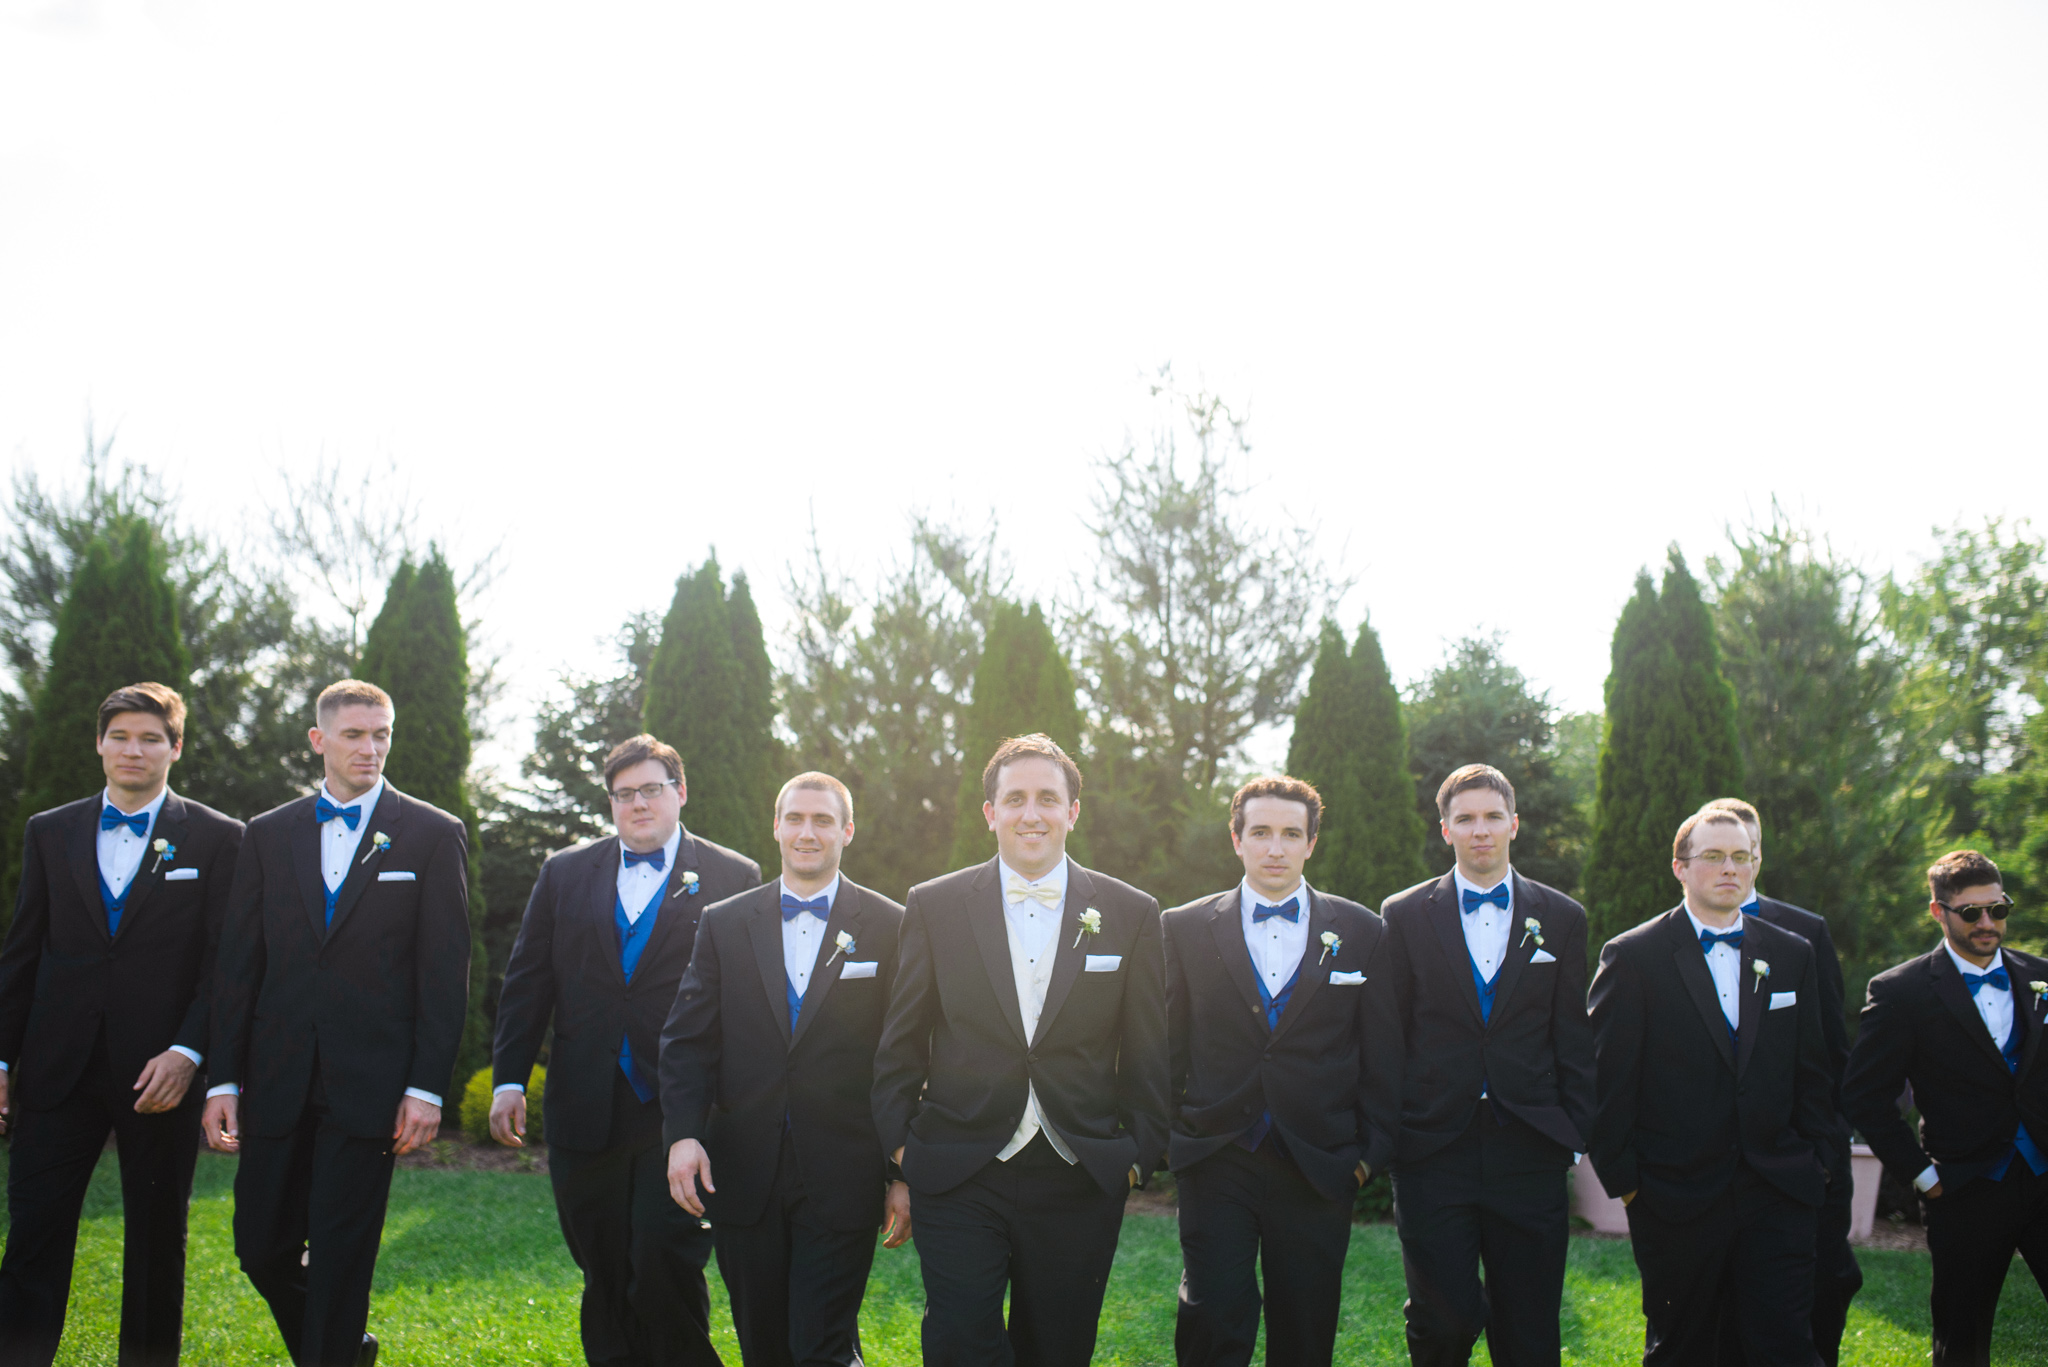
<point>225,1089</point>
<point>427,1097</point>
<point>508,1087</point>
<point>1927,1180</point>
<point>181,1049</point>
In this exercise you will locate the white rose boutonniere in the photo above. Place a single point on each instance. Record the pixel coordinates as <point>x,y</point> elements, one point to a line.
<point>686,883</point>
<point>845,945</point>
<point>1532,929</point>
<point>379,843</point>
<point>164,850</point>
<point>1332,942</point>
<point>1091,924</point>
<point>1762,970</point>
<point>2039,989</point>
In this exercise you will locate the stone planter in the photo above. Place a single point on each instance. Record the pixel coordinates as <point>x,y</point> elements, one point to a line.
<point>1591,1203</point>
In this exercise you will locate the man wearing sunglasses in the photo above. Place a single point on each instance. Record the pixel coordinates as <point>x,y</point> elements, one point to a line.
<point>1962,1023</point>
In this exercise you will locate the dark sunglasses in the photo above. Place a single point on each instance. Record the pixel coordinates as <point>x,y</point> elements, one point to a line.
<point>1999,910</point>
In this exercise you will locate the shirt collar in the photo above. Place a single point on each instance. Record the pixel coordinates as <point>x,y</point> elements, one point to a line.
<point>1965,966</point>
<point>1247,899</point>
<point>1700,927</point>
<point>1057,878</point>
<point>830,894</point>
<point>1467,885</point>
<point>368,800</point>
<point>154,806</point>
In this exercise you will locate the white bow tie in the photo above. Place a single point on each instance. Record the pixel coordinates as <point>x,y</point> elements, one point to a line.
<point>1045,894</point>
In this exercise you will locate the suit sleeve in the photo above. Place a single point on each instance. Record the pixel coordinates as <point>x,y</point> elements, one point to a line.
<point>1142,1063</point>
<point>1618,1016</point>
<point>1834,1024</point>
<point>22,956</point>
<point>1179,1019</point>
<point>441,975</point>
<point>1878,1069</point>
<point>691,1044</point>
<point>194,1032</point>
<point>1571,1033</point>
<point>1813,1101</point>
<point>526,1001</point>
<point>1381,1058</point>
<point>903,1058</point>
<point>238,969</point>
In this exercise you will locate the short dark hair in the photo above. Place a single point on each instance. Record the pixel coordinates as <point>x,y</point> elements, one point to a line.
<point>1037,745</point>
<point>1960,869</point>
<point>1744,813</point>
<point>1709,815</point>
<point>157,699</point>
<point>350,693</point>
<point>823,783</point>
<point>1287,790</point>
<point>639,749</point>
<point>1465,780</point>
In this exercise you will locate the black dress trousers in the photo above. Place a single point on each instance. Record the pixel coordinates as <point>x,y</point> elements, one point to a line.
<point>1493,1198</point>
<point>52,1159</point>
<point>1244,1212</point>
<point>645,1302</point>
<point>795,1284</point>
<point>1038,1227</point>
<point>1837,1277</point>
<point>1972,1233</point>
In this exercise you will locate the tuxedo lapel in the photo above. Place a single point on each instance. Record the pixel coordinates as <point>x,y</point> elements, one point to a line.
<point>764,928</point>
<point>170,828</point>
<point>1314,971</point>
<point>305,838</point>
<point>667,909</point>
<point>1749,996</point>
<point>1699,982</point>
<point>985,915</point>
<point>1226,923</point>
<point>82,852</point>
<point>1068,953</point>
<point>600,901</point>
<point>1447,919</point>
<point>845,915</point>
<point>2024,999</point>
<point>1520,948</point>
<point>366,862</point>
<point>1955,995</point>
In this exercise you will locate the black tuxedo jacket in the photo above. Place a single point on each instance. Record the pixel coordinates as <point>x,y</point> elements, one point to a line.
<point>733,1074</point>
<point>1679,1106</point>
<point>1813,929</point>
<point>954,1067</point>
<point>1920,1026</point>
<point>375,1001</point>
<point>63,979</point>
<point>565,968</point>
<point>1535,1056</point>
<point>1330,1073</point>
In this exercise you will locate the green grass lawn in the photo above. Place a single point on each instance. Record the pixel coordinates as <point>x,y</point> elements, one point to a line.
<point>474,1272</point>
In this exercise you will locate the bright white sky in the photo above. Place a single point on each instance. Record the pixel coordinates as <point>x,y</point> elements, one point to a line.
<point>1516,294</point>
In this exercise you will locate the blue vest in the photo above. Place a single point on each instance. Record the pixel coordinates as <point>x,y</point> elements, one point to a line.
<point>115,905</point>
<point>2022,1142</point>
<point>1276,1006</point>
<point>633,937</point>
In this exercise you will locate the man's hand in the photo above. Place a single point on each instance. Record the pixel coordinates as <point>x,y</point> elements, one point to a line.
<point>897,1157</point>
<point>896,1216</point>
<point>418,1122</point>
<point>508,1118</point>
<point>163,1082</point>
<point>1630,1197</point>
<point>221,1123</point>
<point>1364,1173</point>
<point>5,1077</point>
<point>1932,1191</point>
<point>688,1165</point>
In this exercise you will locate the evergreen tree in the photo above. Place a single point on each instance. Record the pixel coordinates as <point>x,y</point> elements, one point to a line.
<point>118,625</point>
<point>709,694</point>
<point>1351,741</point>
<point>1669,745</point>
<point>418,652</point>
<point>1021,685</point>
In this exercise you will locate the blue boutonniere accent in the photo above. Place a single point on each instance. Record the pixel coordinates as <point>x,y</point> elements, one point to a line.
<point>379,843</point>
<point>686,883</point>
<point>164,850</point>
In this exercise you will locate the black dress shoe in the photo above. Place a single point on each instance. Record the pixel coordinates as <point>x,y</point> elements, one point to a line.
<point>368,1357</point>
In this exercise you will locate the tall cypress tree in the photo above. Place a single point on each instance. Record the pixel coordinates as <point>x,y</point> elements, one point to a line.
<point>1351,741</point>
<point>118,625</point>
<point>1669,744</point>
<point>418,652</point>
<point>1021,685</point>
<point>709,694</point>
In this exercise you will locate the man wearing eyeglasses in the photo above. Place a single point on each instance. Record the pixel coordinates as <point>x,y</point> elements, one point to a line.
<point>1962,1024</point>
<point>1715,1121</point>
<point>607,935</point>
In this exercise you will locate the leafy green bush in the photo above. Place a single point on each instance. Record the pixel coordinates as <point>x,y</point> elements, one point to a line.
<point>476,1105</point>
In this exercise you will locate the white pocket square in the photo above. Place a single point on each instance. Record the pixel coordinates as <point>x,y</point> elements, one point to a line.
<point>1542,956</point>
<point>397,877</point>
<point>1103,963</point>
<point>1345,979</point>
<point>1780,1000</point>
<point>179,875</point>
<point>863,969</point>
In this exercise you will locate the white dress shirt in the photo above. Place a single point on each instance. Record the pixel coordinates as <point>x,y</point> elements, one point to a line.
<point>1276,943</point>
<point>639,882</point>
<point>1033,932</point>
<point>1486,930</point>
<point>801,934</point>
<point>1724,963</point>
<point>1993,1005</point>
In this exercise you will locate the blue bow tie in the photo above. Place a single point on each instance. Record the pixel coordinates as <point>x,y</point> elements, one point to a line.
<point>112,816</point>
<point>325,811</point>
<point>1289,909</point>
<point>656,857</point>
<point>793,907</point>
<point>1997,978</point>
<point>1731,938</point>
<point>1476,900</point>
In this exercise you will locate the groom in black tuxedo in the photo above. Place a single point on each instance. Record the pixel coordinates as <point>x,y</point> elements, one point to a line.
<point>1489,975</point>
<point>105,987</point>
<point>767,1071</point>
<point>1021,1081</point>
<point>607,936</point>
<point>1716,1123</point>
<point>348,929</point>
<point>1963,1024</point>
<point>1286,1080</point>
